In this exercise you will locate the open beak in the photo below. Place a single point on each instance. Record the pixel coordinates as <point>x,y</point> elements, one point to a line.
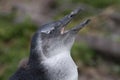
<point>64,21</point>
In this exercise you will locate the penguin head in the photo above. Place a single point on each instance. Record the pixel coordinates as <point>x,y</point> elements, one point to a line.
<point>51,38</point>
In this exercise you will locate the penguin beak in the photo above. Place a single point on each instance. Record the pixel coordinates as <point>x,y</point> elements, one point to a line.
<point>68,18</point>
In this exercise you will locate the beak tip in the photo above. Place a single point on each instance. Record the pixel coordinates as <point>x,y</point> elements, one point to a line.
<point>76,11</point>
<point>87,21</point>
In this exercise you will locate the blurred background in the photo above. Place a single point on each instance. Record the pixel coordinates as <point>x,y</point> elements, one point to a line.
<point>97,47</point>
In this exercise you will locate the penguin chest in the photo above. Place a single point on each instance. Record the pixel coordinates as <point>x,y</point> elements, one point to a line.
<point>61,67</point>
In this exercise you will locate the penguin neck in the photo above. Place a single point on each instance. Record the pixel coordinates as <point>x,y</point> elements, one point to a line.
<point>36,52</point>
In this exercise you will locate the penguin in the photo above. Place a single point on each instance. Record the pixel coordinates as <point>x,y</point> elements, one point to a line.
<point>50,57</point>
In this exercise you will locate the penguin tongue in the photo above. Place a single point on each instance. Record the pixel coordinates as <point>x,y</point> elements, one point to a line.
<point>62,30</point>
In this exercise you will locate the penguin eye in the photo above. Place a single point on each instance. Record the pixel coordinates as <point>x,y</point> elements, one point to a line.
<point>47,30</point>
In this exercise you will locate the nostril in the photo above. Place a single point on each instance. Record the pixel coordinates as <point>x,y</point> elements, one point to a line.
<point>72,15</point>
